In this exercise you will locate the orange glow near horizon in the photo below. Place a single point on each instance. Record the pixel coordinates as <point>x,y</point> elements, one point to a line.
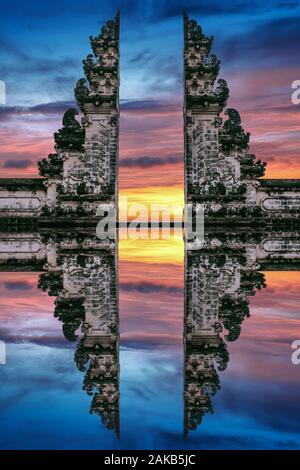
<point>149,251</point>
<point>145,249</point>
<point>282,279</point>
<point>170,197</point>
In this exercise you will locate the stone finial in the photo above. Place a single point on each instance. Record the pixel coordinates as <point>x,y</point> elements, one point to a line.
<point>108,37</point>
<point>201,68</point>
<point>197,49</point>
<point>101,68</point>
<point>193,35</point>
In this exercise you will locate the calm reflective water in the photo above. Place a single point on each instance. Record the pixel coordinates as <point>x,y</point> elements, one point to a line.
<point>42,401</point>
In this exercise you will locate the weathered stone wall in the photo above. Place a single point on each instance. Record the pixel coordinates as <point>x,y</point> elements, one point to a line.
<point>18,246</point>
<point>22,198</point>
<point>203,103</point>
<point>279,198</point>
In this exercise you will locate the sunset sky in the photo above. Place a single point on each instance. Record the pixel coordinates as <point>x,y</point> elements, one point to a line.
<point>256,407</point>
<point>42,45</point>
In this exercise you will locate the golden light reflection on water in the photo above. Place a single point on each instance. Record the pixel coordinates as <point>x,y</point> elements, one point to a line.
<point>159,251</point>
<point>146,249</point>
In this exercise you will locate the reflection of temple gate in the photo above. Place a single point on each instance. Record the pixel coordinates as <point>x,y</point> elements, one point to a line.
<point>219,171</point>
<point>81,272</point>
<point>219,278</point>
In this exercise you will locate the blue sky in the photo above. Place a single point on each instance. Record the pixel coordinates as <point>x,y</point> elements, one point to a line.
<point>43,43</point>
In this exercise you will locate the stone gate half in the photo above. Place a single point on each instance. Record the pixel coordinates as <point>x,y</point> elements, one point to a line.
<point>82,173</point>
<point>220,173</point>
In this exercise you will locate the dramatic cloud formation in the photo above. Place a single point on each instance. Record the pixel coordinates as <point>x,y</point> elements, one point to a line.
<point>42,45</point>
<point>259,59</point>
<point>147,162</point>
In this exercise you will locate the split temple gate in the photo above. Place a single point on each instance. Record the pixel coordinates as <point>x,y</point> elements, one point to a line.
<point>251,224</point>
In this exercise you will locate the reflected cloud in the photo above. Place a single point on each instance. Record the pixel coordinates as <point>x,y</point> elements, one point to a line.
<point>219,281</point>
